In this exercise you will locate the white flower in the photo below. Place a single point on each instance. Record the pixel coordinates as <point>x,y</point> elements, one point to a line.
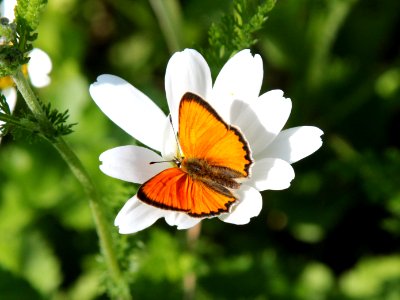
<point>235,96</point>
<point>39,68</point>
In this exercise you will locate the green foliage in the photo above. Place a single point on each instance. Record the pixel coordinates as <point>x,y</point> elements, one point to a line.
<point>5,115</point>
<point>4,108</point>
<point>235,31</point>
<point>17,41</point>
<point>11,58</point>
<point>19,35</point>
<point>24,36</point>
<point>27,13</point>
<point>26,127</point>
<point>334,234</point>
<point>14,287</point>
<point>358,284</point>
<point>58,121</point>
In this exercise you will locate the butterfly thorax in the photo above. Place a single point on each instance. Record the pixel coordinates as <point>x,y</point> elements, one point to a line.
<point>212,175</point>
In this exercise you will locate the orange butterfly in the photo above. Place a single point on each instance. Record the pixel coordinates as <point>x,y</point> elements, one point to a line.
<point>215,157</point>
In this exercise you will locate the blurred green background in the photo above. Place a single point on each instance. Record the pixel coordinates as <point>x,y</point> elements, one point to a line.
<point>334,234</point>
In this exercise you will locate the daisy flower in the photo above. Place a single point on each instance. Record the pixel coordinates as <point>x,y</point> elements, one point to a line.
<point>235,97</point>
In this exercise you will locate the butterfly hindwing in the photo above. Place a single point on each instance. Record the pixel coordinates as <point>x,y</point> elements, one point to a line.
<point>175,190</point>
<point>163,190</point>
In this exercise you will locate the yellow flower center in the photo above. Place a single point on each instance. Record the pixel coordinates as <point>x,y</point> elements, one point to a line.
<point>7,82</point>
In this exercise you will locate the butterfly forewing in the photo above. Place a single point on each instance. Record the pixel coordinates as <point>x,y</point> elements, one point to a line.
<point>204,135</point>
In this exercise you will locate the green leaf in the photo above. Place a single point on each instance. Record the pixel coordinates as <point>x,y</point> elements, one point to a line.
<point>26,127</point>
<point>58,120</point>
<point>29,11</point>
<point>236,31</point>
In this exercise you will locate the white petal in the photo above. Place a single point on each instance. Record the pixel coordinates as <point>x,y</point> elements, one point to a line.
<point>181,220</point>
<point>7,9</point>
<point>170,143</point>
<point>187,71</point>
<point>39,67</point>
<point>249,206</point>
<point>271,174</point>
<point>130,109</point>
<point>294,144</point>
<point>136,216</point>
<point>239,79</point>
<point>263,119</point>
<point>11,97</point>
<point>131,163</point>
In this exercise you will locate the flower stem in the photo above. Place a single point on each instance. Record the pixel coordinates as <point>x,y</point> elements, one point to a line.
<point>77,168</point>
<point>170,20</point>
<point>8,119</point>
<point>190,279</point>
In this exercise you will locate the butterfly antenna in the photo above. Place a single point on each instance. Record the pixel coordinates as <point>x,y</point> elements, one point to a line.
<point>161,161</point>
<point>175,135</point>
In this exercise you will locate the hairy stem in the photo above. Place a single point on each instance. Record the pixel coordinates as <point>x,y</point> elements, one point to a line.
<point>77,168</point>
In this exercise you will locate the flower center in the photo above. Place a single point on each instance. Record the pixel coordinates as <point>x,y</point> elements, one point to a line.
<point>7,82</point>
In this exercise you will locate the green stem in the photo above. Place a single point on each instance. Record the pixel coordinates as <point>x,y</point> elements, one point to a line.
<point>190,278</point>
<point>169,18</point>
<point>323,30</point>
<point>77,168</point>
<point>29,96</point>
<point>10,120</point>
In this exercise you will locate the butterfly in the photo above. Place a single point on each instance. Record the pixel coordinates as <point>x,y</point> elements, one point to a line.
<point>214,158</point>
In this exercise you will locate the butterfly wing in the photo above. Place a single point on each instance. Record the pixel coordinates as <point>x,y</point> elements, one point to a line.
<point>203,134</point>
<point>174,189</point>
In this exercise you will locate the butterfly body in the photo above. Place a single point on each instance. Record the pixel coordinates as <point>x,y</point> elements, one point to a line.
<point>215,158</point>
<point>213,176</point>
